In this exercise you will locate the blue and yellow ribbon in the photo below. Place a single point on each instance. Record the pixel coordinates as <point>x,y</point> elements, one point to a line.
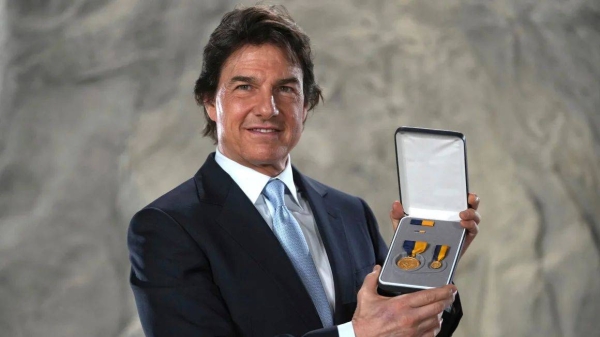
<point>439,254</point>
<point>413,248</point>
<point>421,222</point>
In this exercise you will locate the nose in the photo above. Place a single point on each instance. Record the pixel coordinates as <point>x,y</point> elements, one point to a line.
<point>266,107</point>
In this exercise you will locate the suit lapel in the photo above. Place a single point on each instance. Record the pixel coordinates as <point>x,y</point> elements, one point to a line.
<point>331,229</point>
<point>240,218</point>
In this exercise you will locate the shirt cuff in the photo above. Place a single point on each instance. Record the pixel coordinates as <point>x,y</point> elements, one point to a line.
<point>346,330</point>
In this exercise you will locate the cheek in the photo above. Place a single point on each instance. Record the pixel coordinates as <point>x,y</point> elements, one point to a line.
<point>298,126</point>
<point>231,121</point>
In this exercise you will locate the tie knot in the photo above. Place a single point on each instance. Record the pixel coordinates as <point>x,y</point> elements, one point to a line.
<point>274,192</point>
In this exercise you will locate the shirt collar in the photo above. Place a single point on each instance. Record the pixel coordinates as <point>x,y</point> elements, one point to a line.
<point>252,182</point>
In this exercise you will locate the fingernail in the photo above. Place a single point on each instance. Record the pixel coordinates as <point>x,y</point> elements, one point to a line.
<point>453,295</point>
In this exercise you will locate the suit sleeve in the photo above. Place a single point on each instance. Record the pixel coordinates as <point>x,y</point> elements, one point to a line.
<point>451,318</point>
<point>172,282</point>
<point>379,246</point>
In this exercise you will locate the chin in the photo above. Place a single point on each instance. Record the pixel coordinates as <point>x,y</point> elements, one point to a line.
<point>269,156</point>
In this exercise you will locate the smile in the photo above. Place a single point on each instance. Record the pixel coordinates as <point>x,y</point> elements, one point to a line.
<point>263,130</point>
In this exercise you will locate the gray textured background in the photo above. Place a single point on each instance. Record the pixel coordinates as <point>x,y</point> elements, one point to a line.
<point>97,119</point>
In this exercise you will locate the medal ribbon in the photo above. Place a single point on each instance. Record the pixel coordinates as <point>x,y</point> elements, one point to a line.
<point>420,222</point>
<point>440,252</point>
<point>413,248</point>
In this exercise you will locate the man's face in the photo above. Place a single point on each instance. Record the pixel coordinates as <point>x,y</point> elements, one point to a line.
<point>259,108</point>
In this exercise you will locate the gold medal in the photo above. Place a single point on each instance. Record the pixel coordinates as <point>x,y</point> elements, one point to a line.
<point>412,249</point>
<point>436,264</point>
<point>408,263</point>
<point>438,255</point>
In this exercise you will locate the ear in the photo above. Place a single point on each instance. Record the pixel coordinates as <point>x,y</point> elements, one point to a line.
<point>211,109</point>
<point>304,113</point>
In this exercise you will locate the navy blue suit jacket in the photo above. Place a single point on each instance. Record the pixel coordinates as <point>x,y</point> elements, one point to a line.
<point>205,263</point>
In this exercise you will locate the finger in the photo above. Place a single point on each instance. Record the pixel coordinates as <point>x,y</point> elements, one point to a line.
<point>433,310</point>
<point>471,227</point>
<point>396,214</point>
<point>470,214</point>
<point>429,296</point>
<point>473,201</point>
<point>437,331</point>
<point>430,327</point>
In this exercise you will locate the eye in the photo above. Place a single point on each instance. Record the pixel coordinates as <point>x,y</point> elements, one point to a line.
<point>286,89</point>
<point>244,87</point>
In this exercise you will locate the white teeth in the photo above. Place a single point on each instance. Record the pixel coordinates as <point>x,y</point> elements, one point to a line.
<point>264,130</point>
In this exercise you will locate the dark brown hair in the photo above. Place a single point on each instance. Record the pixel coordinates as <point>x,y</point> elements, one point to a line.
<point>255,25</point>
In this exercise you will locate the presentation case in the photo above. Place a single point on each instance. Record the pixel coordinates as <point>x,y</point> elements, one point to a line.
<point>433,182</point>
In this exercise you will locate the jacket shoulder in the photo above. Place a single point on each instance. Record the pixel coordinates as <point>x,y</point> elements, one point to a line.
<point>181,207</point>
<point>181,196</point>
<point>334,194</point>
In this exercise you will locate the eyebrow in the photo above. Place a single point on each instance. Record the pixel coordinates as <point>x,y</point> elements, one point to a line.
<point>250,79</point>
<point>247,79</point>
<point>288,80</point>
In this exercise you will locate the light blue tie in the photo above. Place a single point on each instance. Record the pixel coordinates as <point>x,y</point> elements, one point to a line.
<point>288,231</point>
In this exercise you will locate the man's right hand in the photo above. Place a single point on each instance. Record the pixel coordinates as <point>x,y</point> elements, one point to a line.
<point>415,314</point>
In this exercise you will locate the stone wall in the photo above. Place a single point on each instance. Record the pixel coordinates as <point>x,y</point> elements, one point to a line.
<point>98,119</point>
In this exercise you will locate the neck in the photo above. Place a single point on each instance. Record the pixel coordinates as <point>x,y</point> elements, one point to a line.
<point>271,169</point>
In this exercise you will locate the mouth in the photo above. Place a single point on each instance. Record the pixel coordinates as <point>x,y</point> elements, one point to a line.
<point>260,130</point>
<point>269,130</point>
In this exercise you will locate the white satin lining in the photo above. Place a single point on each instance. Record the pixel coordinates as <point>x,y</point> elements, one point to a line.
<point>432,175</point>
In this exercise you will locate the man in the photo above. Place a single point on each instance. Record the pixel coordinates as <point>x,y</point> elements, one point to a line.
<point>250,246</point>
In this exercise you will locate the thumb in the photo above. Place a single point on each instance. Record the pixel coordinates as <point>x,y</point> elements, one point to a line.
<point>370,282</point>
<point>396,214</point>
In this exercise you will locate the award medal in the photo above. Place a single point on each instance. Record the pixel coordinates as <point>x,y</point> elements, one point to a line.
<point>412,248</point>
<point>438,255</point>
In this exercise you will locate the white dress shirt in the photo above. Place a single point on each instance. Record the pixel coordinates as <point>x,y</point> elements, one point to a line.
<point>252,184</point>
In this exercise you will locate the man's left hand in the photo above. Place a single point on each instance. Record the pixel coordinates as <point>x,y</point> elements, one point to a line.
<point>470,218</point>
